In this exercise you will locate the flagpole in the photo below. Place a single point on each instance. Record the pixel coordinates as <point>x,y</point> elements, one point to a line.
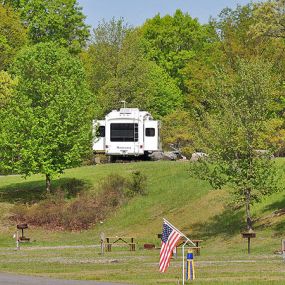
<point>179,232</point>
<point>183,268</point>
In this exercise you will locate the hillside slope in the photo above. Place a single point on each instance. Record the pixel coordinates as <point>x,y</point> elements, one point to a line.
<point>190,204</point>
<point>187,202</point>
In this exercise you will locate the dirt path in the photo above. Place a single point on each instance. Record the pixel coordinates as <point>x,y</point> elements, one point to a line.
<point>11,279</point>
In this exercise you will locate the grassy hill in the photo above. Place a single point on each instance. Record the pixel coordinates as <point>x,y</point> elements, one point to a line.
<point>188,203</point>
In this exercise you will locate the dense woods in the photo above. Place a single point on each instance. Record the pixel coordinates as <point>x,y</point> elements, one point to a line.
<point>217,87</point>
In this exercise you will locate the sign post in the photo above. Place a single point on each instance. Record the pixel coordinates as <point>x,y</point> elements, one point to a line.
<point>248,235</point>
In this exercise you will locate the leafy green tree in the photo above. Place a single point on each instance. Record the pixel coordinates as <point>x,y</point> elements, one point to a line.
<point>7,85</point>
<point>172,41</point>
<point>16,4</point>
<point>140,83</point>
<point>232,134</point>
<point>240,34</point>
<point>117,70</point>
<point>61,21</point>
<point>177,131</point>
<point>270,19</point>
<point>6,88</point>
<point>51,112</point>
<point>102,57</point>
<point>12,36</point>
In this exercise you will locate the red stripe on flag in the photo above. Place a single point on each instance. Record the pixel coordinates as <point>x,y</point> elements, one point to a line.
<point>167,249</point>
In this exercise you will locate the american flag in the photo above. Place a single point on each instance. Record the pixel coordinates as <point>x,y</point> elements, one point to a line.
<point>169,239</point>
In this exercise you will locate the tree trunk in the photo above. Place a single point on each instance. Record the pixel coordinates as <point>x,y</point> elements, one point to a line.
<point>247,209</point>
<point>48,183</point>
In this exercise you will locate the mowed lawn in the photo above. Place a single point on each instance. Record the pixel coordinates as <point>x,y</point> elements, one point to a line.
<point>188,203</point>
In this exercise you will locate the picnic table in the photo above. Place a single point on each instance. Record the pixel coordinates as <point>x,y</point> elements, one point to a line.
<point>182,240</point>
<point>197,248</point>
<point>121,241</point>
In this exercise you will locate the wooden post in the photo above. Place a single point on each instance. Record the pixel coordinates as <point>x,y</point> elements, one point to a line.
<point>102,240</point>
<point>17,240</point>
<point>248,245</point>
<point>248,235</point>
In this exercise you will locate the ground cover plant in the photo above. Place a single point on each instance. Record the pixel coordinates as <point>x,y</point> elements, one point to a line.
<point>198,211</point>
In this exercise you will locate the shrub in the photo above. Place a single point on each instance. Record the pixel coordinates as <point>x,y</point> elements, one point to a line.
<point>58,212</point>
<point>137,184</point>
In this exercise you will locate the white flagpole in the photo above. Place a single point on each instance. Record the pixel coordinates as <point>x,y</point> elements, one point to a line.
<point>179,232</point>
<point>183,269</point>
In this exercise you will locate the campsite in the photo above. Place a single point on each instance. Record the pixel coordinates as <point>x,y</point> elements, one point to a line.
<point>142,142</point>
<point>200,213</point>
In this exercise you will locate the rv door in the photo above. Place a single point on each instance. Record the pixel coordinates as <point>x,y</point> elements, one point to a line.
<point>99,136</point>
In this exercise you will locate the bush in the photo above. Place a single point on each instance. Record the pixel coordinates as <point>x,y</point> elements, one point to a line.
<point>137,184</point>
<point>58,212</point>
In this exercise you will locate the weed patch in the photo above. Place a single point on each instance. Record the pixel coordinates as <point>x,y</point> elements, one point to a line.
<point>60,211</point>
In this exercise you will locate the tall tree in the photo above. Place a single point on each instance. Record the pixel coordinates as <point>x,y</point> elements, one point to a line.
<point>233,132</point>
<point>117,70</point>
<point>270,19</point>
<point>12,36</point>
<point>172,41</point>
<point>61,21</point>
<point>102,57</point>
<point>51,112</point>
<point>7,85</point>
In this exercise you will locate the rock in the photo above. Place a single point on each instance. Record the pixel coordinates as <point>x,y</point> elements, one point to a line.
<point>198,155</point>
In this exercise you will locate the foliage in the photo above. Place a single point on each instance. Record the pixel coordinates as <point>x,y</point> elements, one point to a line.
<point>232,133</point>
<point>6,89</point>
<point>240,36</point>
<point>12,36</point>
<point>270,19</point>
<point>6,95</point>
<point>101,58</point>
<point>117,70</point>
<point>172,41</point>
<point>140,83</point>
<point>84,211</point>
<point>61,21</point>
<point>49,126</point>
<point>137,184</point>
<point>177,131</point>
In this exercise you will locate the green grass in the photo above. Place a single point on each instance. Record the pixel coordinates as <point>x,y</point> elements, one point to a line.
<point>188,203</point>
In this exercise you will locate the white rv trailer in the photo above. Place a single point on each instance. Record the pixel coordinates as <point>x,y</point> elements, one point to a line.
<point>127,132</point>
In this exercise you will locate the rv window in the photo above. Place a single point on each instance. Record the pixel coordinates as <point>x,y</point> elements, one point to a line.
<point>124,132</point>
<point>150,132</point>
<point>101,131</point>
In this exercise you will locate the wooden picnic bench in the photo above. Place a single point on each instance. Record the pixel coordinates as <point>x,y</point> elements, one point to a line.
<point>120,241</point>
<point>182,240</point>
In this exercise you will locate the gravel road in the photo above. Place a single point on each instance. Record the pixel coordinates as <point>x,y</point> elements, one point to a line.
<point>11,279</point>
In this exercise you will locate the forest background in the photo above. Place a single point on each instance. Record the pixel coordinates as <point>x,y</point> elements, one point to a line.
<point>57,75</point>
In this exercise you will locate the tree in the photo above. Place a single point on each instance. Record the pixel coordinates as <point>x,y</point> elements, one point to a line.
<point>140,82</point>
<point>6,88</point>
<point>61,21</point>
<point>102,57</point>
<point>117,70</point>
<point>16,4</point>
<point>232,133</point>
<point>177,131</point>
<point>7,84</point>
<point>172,41</point>
<point>51,112</point>
<point>270,19</point>
<point>12,36</point>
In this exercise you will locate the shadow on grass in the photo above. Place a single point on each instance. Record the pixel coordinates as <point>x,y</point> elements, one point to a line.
<point>280,228</point>
<point>226,224</point>
<point>276,205</point>
<point>34,191</point>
